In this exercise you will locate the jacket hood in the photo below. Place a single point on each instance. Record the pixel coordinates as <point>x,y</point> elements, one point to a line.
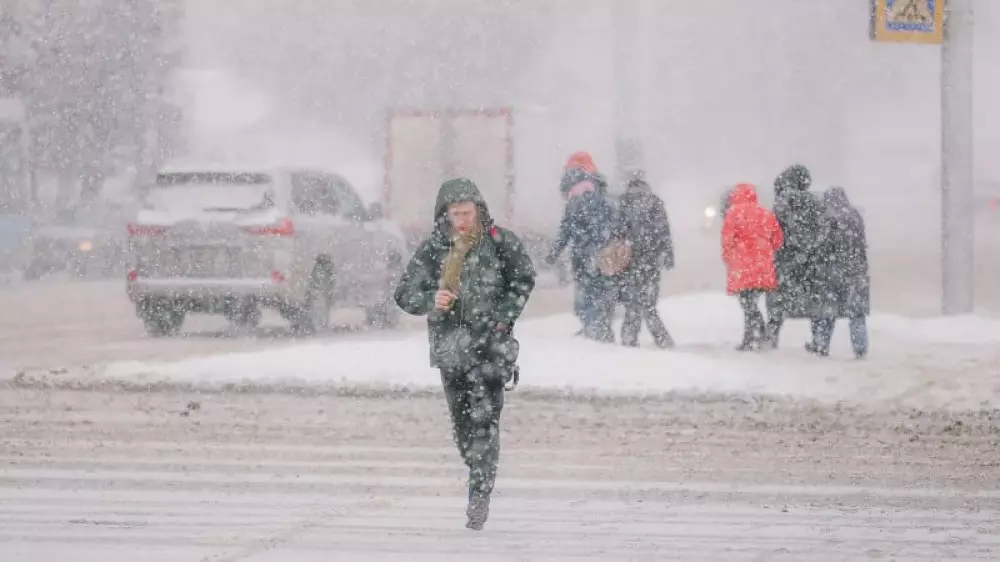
<point>636,181</point>
<point>456,191</point>
<point>639,186</point>
<point>796,177</point>
<point>583,161</point>
<point>743,194</point>
<point>574,176</point>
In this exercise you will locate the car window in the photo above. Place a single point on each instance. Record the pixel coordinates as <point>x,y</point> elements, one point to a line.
<point>308,194</point>
<point>327,199</point>
<point>210,191</point>
<point>351,205</point>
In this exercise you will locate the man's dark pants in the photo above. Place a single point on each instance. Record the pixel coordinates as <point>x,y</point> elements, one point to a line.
<point>475,401</point>
<point>822,331</point>
<point>641,294</point>
<point>753,320</point>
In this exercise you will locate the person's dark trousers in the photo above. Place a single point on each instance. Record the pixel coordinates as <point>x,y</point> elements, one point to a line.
<point>858,326</point>
<point>475,401</point>
<point>597,306</point>
<point>579,294</point>
<point>578,303</point>
<point>753,320</point>
<point>640,299</point>
<point>822,329</point>
<point>775,321</point>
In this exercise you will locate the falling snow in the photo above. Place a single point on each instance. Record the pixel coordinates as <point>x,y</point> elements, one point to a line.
<point>279,278</point>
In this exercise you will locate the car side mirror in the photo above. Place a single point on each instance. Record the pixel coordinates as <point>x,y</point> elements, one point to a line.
<point>375,212</point>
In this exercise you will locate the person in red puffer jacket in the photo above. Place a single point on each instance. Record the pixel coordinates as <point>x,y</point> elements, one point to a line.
<point>750,237</point>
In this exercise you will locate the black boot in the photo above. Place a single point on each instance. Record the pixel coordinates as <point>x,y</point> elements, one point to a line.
<point>749,342</point>
<point>478,511</point>
<point>754,333</point>
<point>811,347</point>
<point>760,333</point>
<point>771,332</point>
<point>666,342</point>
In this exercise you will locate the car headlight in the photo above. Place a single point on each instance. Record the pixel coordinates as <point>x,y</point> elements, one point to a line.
<point>85,246</point>
<point>710,212</point>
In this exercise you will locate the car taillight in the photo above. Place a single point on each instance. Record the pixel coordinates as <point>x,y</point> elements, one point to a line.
<point>283,228</point>
<point>145,230</point>
<point>995,204</point>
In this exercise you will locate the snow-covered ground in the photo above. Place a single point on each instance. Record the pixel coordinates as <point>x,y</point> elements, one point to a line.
<point>935,363</point>
<point>102,476</point>
<point>338,448</point>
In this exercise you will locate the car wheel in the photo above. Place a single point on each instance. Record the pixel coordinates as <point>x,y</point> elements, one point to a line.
<point>245,316</point>
<point>33,272</point>
<point>79,267</point>
<point>314,316</point>
<point>160,319</point>
<point>385,315</point>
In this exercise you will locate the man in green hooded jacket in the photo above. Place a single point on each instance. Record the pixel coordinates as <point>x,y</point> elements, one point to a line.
<point>471,279</point>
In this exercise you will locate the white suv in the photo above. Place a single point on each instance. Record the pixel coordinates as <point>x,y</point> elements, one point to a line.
<point>230,242</point>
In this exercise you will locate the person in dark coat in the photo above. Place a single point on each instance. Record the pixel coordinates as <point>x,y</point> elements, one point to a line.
<point>586,228</point>
<point>845,281</point>
<point>750,238</point>
<point>472,280</point>
<point>797,262</point>
<point>642,224</point>
<point>579,169</point>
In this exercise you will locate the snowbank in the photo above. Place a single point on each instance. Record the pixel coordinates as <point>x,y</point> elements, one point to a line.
<point>949,363</point>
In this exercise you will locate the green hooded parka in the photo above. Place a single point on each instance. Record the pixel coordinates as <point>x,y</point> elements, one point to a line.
<point>496,281</point>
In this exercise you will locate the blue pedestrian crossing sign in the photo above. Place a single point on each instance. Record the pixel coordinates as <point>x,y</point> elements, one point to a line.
<point>908,21</point>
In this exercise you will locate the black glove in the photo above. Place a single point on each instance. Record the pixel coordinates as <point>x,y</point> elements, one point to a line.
<point>503,350</point>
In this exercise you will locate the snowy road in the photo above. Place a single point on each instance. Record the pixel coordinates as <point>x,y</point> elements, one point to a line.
<point>90,476</point>
<point>61,323</point>
<point>55,324</point>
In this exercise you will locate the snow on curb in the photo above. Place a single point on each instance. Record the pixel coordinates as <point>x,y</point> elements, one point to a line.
<point>949,364</point>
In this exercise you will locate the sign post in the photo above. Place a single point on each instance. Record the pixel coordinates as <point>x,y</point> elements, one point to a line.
<point>957,207</point>
<point>924,21</point>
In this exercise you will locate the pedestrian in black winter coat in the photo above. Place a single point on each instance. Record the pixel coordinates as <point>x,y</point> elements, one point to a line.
<point>844,277</point>
<point>798,261</point>
<point>642,223</point>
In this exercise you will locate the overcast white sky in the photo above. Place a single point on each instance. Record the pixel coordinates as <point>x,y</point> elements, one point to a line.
<point>730,90</point>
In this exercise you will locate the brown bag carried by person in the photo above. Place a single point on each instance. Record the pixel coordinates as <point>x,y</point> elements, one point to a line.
<point>614,258</point>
